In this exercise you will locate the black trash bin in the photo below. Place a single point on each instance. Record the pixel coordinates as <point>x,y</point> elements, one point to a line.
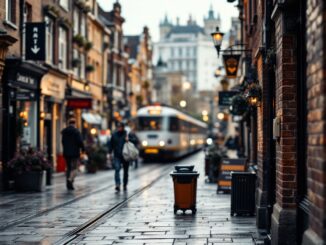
<point>243,189</point>
<point>185,188</point>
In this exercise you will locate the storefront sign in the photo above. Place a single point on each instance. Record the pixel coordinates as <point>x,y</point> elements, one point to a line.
<point>26,80</point>
<point>225,97</point>
<point>231,63</point>
<point>79,103</point>
<point>53,86</point>
<point>25,96</point>
<point>35,41</point>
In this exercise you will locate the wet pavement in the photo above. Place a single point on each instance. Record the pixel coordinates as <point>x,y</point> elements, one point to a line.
<point>142,215</point>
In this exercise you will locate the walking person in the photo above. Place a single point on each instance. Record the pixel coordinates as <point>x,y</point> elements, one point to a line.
<point>118,139</point>
<point>72,147</point>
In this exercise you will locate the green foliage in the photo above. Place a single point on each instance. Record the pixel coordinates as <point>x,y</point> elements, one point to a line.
<point>239,105</point>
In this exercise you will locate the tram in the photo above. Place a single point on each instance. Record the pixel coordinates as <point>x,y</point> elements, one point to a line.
<point>166,133</point>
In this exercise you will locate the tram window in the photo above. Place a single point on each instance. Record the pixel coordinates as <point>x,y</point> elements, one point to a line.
<point>174,124</point>
<point>149,123</point>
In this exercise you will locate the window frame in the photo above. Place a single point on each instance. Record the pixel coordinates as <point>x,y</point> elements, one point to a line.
<point>49,33</point>
<point>63,61</point>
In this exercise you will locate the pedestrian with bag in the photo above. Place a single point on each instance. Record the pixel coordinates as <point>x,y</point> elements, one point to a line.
<point>134,139</point>
<point>72,147</point>
<point>116,145</point>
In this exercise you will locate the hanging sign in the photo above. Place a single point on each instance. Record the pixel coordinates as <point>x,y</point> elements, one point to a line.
<point>225,97</point>
<point>35,41</point>
<point>231,64</point>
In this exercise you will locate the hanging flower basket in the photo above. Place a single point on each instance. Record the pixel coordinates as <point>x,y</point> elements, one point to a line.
<point>88,45</point>
<point>239,105</point>
<point>254,94</point>
<point>79,40</point>
<point>76,63</point>
<point>90,68</point>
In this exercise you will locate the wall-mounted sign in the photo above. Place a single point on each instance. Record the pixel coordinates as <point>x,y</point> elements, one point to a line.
<point>231,63</point>
<point>225,97</point>
<point>35,41</point>
<point>79,103</point>
<point>53,86</point>
<point>26,80</point>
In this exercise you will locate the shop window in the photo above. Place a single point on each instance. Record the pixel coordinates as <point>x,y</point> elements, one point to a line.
<point>49,39</point>
<point>62,48</point>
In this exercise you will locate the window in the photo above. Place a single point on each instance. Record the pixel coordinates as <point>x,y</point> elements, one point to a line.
<point>180,51</point>
<point>62,48</point>
<point>76,22</point>
<point>188,52</point>
<point>172,52</point>
<point>83,26</point>
<point>174,124</point>
<point>49,39</point>
<point>64,4</point>
<point>149,123</point>
<point>10,14</point>
<point>82,66</point>
<point>75,57</point>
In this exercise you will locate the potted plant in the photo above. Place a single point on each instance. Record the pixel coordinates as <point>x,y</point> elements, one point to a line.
<point>28,168</point>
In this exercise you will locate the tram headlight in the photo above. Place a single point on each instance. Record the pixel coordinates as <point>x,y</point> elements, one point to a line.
<point>162,143</point>
<point>144,143</point>
<point>209,141</point>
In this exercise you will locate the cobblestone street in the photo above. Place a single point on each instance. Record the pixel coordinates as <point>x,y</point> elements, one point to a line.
<point>142,215</point>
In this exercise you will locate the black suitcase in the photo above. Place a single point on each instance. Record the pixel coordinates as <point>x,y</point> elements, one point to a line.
<point>243,189</point>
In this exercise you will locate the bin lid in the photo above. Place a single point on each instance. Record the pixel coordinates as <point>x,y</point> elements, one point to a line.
<point>184,169</point>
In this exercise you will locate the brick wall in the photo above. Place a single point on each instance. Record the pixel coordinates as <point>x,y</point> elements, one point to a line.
<point>286,110</point>
<point>316,86</point>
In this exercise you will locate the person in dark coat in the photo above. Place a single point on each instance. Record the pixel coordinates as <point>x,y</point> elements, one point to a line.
<point>118,139</point>
<point>72,147</point>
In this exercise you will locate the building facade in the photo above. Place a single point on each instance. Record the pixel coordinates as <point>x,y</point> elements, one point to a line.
<point>140,71</point>
<point>283,54</point>
<point>188,48</point>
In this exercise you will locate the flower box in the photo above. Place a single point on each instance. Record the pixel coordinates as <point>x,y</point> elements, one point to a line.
<point>30,181</point>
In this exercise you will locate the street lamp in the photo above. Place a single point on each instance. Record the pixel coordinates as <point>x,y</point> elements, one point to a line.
<point>217,39</point>
<point>183,103</point>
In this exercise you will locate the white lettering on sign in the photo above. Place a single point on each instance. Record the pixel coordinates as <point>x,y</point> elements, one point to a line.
<point>25,79</point>
<point>35,49</point>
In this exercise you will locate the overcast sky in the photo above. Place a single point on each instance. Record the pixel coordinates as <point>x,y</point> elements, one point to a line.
<point>139,13</point>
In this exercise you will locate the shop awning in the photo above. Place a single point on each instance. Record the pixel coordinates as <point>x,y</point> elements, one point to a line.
<point>92,118</point>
